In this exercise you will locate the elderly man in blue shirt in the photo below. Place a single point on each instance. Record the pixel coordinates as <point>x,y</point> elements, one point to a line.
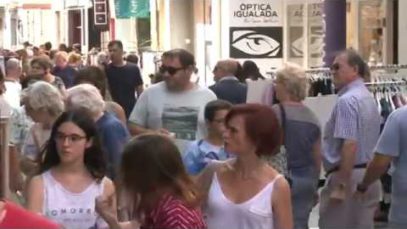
<point>350,136</point>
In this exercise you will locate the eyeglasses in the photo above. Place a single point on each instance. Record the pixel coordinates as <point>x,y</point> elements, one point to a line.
<point>72,138</point>
<point>335,67</point>
<point>169,69</point>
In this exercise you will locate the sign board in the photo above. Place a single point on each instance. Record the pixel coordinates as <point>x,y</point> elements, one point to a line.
<point>100,12</point>
<point>132,8</point>
<point>256,31</point>
<point>296,41</point>
<point>316,34</point>
<point>297,30</point>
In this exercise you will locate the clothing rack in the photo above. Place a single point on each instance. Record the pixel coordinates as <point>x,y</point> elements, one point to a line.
<point>388,67</point>
<point>327,70</point>
<point>384,83</point>
<point>318,70</point>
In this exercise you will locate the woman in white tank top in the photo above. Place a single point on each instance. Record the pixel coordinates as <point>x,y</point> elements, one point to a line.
<point>72,175</point>
<point>245,192</point>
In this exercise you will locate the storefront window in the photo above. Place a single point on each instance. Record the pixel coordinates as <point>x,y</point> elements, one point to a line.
<point>316,33</point>
<point>305,33</point>
<point>296,37</point>
<point>370,29</point>
<point>372,14</point>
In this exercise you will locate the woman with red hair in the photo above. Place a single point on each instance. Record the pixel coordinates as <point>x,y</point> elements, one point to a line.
<point>246,192</point>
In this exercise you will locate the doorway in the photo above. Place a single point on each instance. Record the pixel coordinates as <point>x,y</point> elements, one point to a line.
<point>74,27</point>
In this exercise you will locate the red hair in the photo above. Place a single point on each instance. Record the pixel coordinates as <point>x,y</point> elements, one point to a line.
<point>261,126</point>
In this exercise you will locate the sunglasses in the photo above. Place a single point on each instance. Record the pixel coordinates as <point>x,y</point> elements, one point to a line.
<point>171,70</point>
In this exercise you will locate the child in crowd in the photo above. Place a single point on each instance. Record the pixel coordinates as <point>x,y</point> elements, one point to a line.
<point>201,152</point>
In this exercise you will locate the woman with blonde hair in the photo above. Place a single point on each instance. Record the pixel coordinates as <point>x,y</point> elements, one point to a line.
<point>302,134</point>
<point>75,60</point>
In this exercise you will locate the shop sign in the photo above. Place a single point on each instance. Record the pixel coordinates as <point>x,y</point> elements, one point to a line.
<point>256,29</point>
<point>132,8</point>
<point>258,12</point>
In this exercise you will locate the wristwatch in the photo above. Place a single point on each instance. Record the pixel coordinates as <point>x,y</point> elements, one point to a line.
<point>361,188</point>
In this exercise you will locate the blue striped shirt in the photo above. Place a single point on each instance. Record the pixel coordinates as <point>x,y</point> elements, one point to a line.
<point>354,117</point>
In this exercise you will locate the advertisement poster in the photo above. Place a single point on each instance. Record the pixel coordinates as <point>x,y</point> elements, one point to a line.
<point>295,19</point>
<point>256,32</point>
<point>316,34</point>
<point>256,42</point>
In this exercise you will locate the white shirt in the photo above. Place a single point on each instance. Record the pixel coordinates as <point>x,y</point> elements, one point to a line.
<point>72,210</point>
<point>12,94</point>
<point>256,212</point>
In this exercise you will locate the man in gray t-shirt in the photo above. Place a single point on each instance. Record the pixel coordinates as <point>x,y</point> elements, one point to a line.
<point>392,147</point>
<point>175,106</point>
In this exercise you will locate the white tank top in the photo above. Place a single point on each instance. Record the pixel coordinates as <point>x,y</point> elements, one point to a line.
<point>256,212</point>
<point>72,210</point>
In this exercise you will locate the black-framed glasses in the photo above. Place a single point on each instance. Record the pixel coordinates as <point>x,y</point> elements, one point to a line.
<point>171,70</point>
<point>72,138</point>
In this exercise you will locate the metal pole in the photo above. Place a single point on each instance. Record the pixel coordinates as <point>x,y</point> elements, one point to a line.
<point>157,25</point>
<point>4,138</point>
<point>205,42</point>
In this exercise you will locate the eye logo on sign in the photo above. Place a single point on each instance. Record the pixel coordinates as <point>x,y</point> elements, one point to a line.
<point>258,42</point>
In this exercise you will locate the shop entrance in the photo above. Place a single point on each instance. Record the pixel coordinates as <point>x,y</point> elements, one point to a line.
<point>75,27</point>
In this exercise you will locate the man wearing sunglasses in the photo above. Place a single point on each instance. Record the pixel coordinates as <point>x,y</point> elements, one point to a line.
<point>174,106</point>
<point>349,139</point>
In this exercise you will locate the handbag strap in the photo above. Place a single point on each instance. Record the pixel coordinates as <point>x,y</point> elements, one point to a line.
<point>283,120</point>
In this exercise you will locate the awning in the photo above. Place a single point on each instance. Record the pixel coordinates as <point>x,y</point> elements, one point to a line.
<point>71,4</point>
<point>9,3</point>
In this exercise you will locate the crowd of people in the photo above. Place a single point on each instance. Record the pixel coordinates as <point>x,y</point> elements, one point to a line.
<point>91,148</point>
